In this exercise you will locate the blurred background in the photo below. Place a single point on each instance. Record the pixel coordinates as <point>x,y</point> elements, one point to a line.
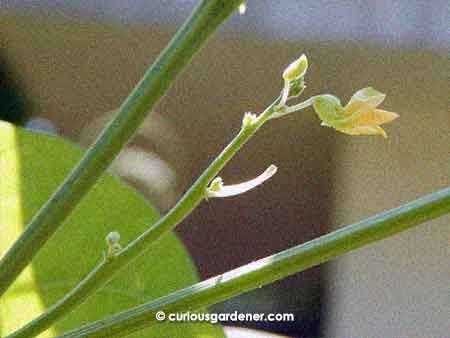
<point>66,65</point>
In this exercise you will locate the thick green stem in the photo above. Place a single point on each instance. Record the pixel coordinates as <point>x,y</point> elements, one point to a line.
<point>272,268</point>
<point>192,35</point>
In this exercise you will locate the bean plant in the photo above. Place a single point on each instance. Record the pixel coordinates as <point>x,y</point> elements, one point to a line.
<point>361,115</point>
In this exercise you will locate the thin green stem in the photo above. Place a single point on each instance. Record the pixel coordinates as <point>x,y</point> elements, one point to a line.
<point>285,110</point>
<point>272,268</point>
<point>205,19</point>
<point>285,92</point>
<point>300,106</point>
<point>103,272</point>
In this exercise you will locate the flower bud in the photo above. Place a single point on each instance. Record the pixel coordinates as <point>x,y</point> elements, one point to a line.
<point>242,8</point>
<point>112,237</point>
<point>249,119</point>
<point>112,241</point>
<point>296,69</point>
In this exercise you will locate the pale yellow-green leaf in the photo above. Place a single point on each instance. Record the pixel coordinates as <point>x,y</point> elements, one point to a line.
<point>363,130</point>
<point>373,117</point>
<point>364,99</point>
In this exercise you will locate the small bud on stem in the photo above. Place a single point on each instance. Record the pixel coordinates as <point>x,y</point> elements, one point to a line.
<point>112,241</point>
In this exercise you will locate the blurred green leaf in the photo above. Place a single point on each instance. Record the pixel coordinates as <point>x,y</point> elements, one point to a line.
<point>31,167</point>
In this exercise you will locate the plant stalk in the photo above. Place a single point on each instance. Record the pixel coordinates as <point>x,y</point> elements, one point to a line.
<point>204,20</point>
<point>272,268</point>
<point>104,271</point>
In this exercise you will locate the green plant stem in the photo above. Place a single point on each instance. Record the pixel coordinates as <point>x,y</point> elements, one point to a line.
<point>272,268</point>
<point>205,19</point>
<point>103,272</point>
<point>299,106</point>
<point>285,110</point>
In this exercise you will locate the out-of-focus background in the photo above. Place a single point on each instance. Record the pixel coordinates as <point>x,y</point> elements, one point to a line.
<point>65,65</point>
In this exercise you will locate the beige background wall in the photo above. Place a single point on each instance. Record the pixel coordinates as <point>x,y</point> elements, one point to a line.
<point>399,287</point>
